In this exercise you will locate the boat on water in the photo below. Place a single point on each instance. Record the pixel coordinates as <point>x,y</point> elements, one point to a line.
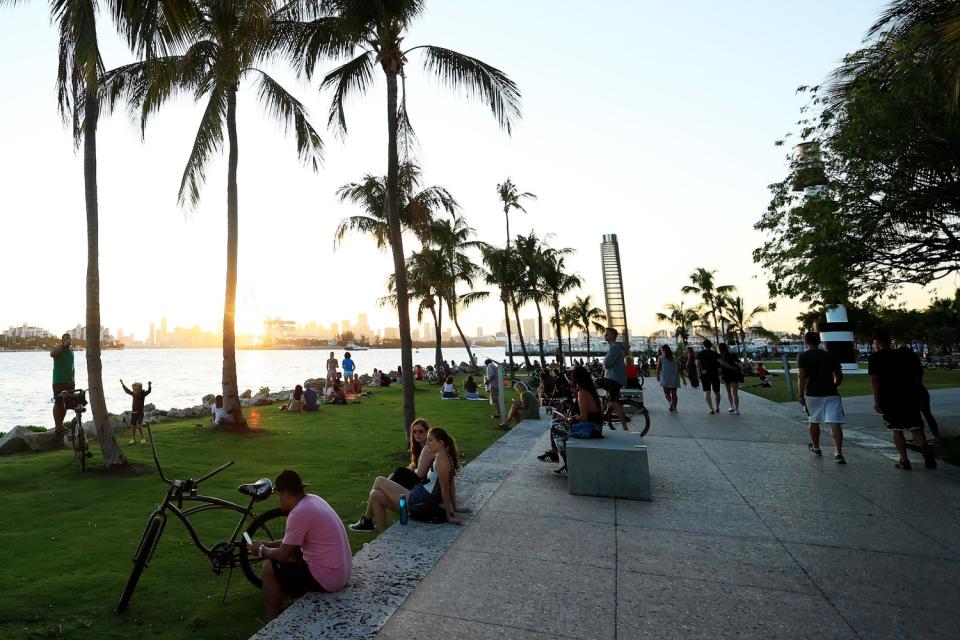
<point>352,346</point>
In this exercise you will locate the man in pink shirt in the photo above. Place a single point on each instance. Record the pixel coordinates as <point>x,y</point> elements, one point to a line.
<point>314,554</point>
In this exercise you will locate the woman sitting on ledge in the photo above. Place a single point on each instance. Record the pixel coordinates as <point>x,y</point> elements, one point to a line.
<point>438,492</point>
<point>527,407</point>
<point>449,391</point>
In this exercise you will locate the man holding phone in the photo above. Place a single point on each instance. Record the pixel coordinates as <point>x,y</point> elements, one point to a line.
<point>314,554</point>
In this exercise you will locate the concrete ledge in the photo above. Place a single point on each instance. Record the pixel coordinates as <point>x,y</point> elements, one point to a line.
<point>387,569</point>
<point>614,466</point>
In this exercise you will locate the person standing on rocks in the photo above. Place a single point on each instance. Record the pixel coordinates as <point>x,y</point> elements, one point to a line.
<point>136,411</point>
<point>63,379</point>
<point>819,375</point>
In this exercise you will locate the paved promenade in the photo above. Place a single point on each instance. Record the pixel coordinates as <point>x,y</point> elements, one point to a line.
<point>748,536</point>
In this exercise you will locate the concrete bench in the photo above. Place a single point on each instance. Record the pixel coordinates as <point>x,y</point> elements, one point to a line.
<point>614,466</point>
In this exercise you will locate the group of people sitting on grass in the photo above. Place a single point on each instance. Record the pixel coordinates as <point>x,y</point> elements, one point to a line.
<point>309,399</point>
<point>471,390</point>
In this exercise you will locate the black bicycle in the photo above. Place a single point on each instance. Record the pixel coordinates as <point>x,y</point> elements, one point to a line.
<point>76,401</point>
<point>632,402</point>
<point>269,525</point>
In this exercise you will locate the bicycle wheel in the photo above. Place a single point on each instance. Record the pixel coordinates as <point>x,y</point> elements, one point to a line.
<point>80,446</point>
<point>144,552</point>
<point>638,413</point>
<point>268,526</point>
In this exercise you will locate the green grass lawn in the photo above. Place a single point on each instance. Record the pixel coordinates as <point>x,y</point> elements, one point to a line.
<point>67,538</point>
<point>852,385</point>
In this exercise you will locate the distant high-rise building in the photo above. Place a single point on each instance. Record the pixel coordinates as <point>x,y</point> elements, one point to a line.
<point>613,290</point>
<point>529,329</point>
<point>446,334</point>
<point>333,329</point>
<point>391,333</point>
<point>362,328</point>
<point>479,332</point>
<point>163,326</point>
<point>152,340</point>
<point>345,326</point>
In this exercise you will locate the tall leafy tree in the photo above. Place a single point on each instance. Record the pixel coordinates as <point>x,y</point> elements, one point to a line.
<point>741,319</point>
<point>80,76</point>
<point>419,206</point>
<point>512,200</point>
<point>453,239</point>
<point>703,284</point>
<point>557,283</point>
<point>500,269</point>
<point>226,44</point>
<point>588,317</point>
<point>682,319</point>
<point>537,258</point>
<point>376,34</point>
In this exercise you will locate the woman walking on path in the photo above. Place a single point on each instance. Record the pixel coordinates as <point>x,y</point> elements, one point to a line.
<point>732,376</point>
<point>668,374</point>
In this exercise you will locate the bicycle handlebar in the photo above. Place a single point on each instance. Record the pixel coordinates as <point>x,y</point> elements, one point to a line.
<point>156,460</point>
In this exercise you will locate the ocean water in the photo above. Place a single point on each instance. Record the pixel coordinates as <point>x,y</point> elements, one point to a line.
<point>181,377</point>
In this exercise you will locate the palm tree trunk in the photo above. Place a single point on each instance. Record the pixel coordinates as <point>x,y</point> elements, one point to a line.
<point>463,338</point>
<point>438,348</point>
<point>231,393</point>
<point>570,339</point>
<point>506,319</point>
<point>523,345</point>
<point>399,266</point>
<point>506,212</point>
<point>543,360</point>
<point>556,315</point>
<point>112,454</point>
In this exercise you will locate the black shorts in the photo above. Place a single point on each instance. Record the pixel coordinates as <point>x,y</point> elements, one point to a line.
<point>136,418</point>
<point>60,387</point>
<point>710,382</point>
<point>613,389</point>
<point>295,577</point>
<point>904,421</point>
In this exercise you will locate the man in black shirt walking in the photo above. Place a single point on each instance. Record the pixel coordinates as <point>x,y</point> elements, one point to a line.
<point>896,397</point>
<point>708,366</point>
<point>819,375</point>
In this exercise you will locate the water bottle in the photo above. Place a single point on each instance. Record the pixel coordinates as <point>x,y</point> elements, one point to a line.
<point>403,508</point>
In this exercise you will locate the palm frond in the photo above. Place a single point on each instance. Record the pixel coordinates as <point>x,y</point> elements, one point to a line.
<point>363,224</point>
<point>292,114</point>
<point>208,140</point>
<point>479,80</point>
<point>352,77</point>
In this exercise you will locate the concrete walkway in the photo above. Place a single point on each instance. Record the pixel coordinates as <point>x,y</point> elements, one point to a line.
<point>748,536</point>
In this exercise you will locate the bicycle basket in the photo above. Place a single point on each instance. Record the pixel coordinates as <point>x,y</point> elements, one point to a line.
<point>74,399</point>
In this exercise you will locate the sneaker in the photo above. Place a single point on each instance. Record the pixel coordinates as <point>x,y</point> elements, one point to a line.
<point>816,452</point>
<point>132,441</point>
<point>838,458</point>
<point>929,460</point>
<point>711,412</point>
<point>731,410</point>
<point>363,525</point>
<point>143,441</point>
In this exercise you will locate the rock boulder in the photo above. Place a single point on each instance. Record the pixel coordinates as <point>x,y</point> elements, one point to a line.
<point>20,439</point>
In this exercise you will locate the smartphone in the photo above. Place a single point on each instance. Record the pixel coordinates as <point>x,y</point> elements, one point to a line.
<point>246,536</point>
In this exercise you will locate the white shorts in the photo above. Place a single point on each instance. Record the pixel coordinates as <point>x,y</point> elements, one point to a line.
<point>825,409</point>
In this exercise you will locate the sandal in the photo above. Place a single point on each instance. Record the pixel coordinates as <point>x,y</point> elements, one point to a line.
<point>904,464</point>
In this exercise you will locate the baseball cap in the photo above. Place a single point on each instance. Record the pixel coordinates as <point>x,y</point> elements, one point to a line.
<point>289,480</point>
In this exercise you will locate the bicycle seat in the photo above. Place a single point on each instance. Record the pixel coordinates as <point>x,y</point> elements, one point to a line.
<point>259,490</point>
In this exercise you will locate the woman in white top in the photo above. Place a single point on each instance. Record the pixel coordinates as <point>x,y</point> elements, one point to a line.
<point>449,390</point>
<point>668,374</point>
<point>438,491</point>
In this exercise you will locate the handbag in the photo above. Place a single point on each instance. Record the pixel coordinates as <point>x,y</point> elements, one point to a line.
<point>405,477</point>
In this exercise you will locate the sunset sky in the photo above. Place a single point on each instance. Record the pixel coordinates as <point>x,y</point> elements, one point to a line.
<point>654,121</point>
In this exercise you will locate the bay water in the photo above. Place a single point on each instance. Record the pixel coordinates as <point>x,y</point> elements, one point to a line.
<point>181,377</point>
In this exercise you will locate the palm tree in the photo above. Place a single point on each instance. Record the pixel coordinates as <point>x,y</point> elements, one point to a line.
<point>377,30</point>
<point>79,78</point>
<point>587,317</point>
<point>512,199</point>
<point>226,43</point>
<point>425,278</point>
<point>557,282</point>
<point>568,317</point>
<point>452,239</point>
<point>703,285</point>
<point>418,207</point>
<point>534,254</point>
<point>742,321</point>
<point>682,319</point>
<point>500,270</point>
